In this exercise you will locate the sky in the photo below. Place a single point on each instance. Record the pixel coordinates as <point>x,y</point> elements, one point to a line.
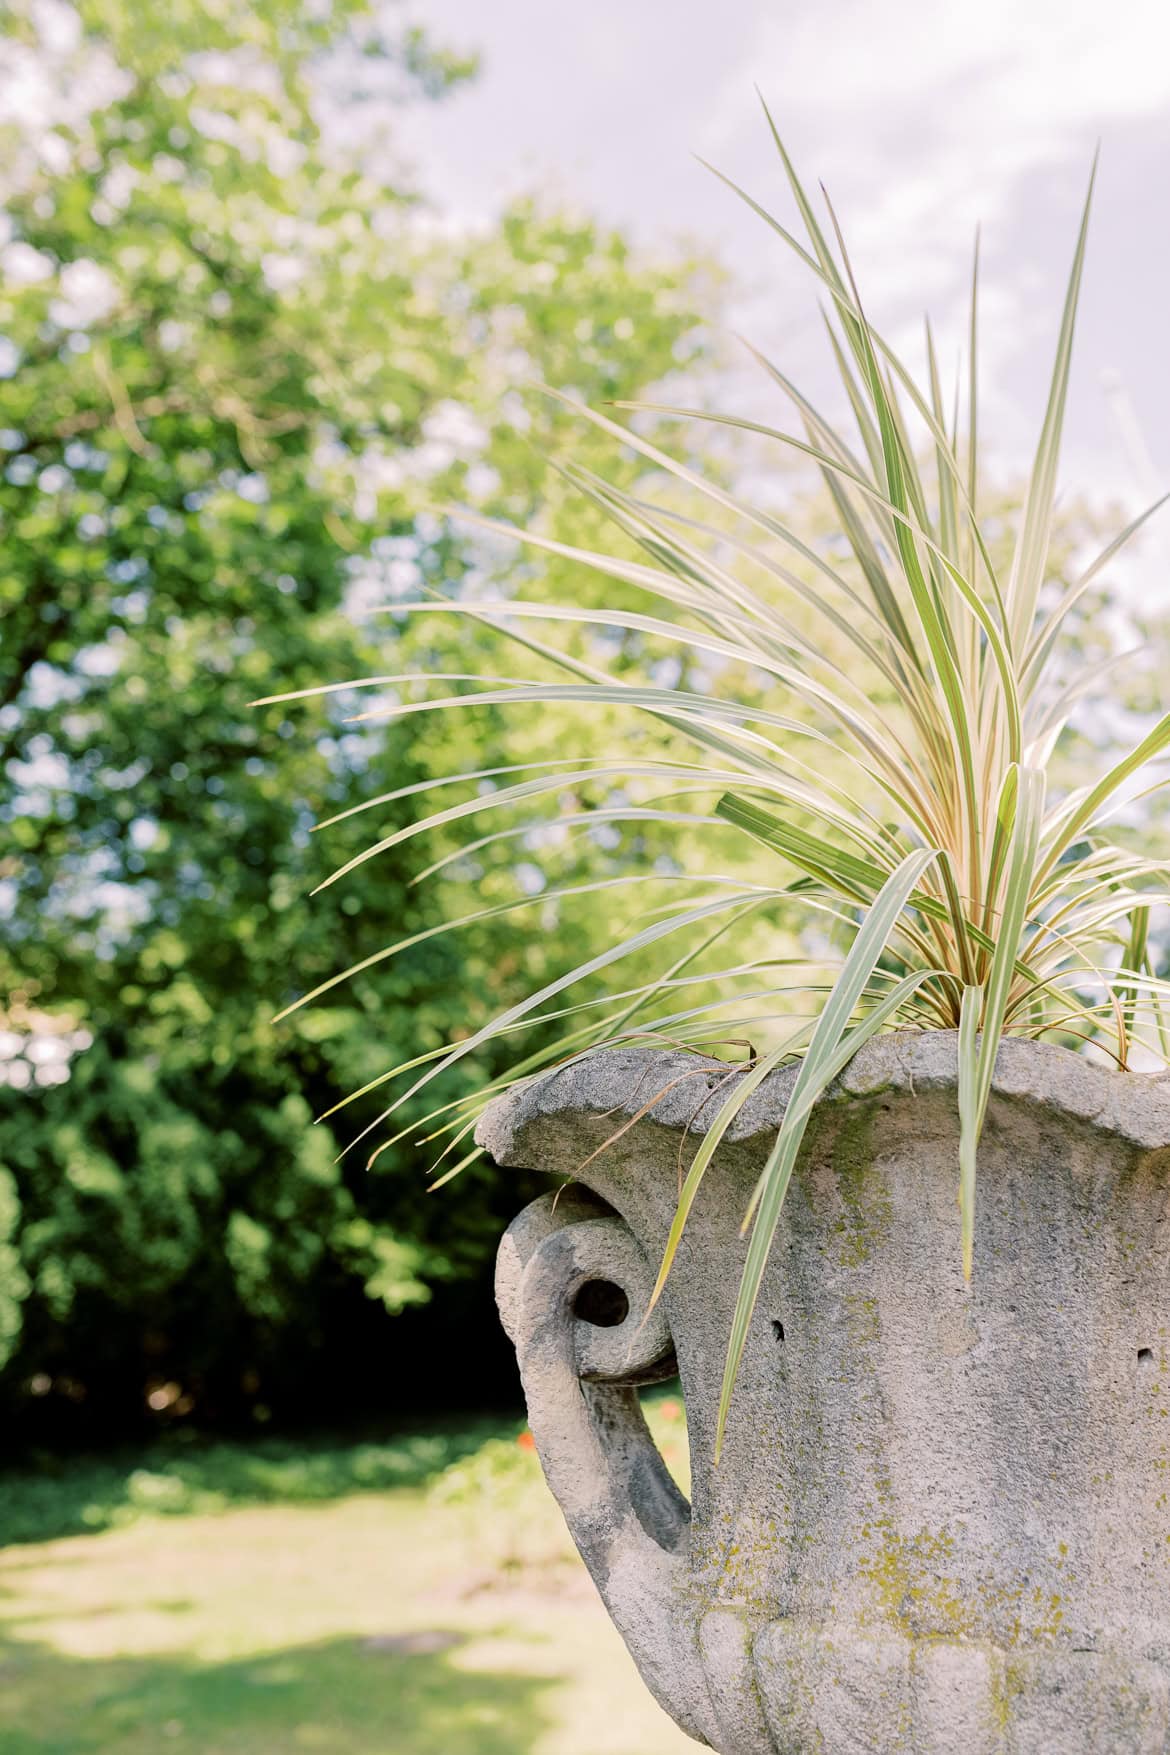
<point>921,117</point>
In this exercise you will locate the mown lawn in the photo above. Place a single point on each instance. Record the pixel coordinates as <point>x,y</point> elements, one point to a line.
<point>414,1597</point>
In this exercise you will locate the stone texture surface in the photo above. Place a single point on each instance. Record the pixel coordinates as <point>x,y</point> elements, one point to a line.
<point>942,1518</point>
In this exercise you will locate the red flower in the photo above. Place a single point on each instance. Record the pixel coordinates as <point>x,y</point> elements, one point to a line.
<point>671,1410</point>
<point>526,1441</point>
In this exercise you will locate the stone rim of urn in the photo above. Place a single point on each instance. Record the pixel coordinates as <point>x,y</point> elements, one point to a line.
<point>941,1521</point>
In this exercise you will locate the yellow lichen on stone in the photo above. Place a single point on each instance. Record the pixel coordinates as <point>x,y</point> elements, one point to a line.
<point>905,1577</point>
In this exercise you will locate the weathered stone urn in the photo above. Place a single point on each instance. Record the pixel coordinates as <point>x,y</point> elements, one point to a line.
<point>941,1522</point>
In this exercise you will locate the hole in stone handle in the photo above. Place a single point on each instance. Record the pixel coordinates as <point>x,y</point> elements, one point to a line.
<point>602,1303</point>
<point>1145,1356</point>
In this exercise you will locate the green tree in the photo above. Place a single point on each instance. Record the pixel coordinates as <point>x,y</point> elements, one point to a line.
<point>238,362</point>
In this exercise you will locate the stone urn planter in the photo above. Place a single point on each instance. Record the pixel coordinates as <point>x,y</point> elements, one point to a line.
<point>941,1521</point>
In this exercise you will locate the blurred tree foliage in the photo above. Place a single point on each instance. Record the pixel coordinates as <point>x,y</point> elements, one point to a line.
<point>239,357</point>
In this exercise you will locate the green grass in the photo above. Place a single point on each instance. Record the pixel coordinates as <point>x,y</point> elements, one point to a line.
<point>51,1496</point>
<point>415,1597</point>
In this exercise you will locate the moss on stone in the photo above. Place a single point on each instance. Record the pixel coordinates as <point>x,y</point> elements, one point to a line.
<point>865,1198</point>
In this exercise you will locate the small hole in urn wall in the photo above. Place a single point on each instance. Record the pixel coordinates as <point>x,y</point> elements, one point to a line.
<point>601,1302</point>
<point>1145,1356</point>
<point>777,1328</point>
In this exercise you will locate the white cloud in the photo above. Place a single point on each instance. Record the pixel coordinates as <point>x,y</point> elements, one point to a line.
<point>972,93</point>
<point>926,119</point>
<point>923,117</point>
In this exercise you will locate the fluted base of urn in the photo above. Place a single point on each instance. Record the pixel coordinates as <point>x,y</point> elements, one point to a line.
<point>835,1691</point>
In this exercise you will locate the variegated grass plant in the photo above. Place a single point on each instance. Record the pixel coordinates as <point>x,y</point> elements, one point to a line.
<point>965,892</point>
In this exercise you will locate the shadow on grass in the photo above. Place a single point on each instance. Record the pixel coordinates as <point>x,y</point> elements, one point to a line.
<point>340,1697</point>
<point>54,1496</point>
